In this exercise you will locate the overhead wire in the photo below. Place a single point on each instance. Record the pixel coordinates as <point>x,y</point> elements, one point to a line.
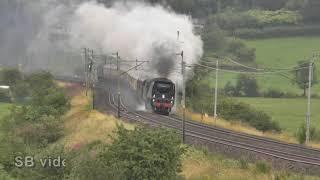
<point>247,72</point>
<point>257,69</point>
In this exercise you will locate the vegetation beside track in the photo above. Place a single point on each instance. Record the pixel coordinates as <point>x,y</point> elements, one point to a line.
<point>4,109</point>
<point>290,113</point>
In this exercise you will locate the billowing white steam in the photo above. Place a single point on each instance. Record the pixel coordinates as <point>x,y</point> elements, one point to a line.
<point>137,31</point>
<point>50,34</point>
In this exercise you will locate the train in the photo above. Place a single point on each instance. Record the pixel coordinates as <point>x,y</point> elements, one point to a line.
<point>157,94</point>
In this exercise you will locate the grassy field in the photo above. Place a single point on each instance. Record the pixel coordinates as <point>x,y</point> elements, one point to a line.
<point>290,113</point>
<point>277,53</point>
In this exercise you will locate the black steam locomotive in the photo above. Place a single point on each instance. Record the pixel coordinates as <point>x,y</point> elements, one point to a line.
<point>158,94</point>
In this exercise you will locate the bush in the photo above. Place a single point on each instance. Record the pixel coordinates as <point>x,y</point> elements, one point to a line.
<point>243,163</point>
<point>231,20</point>
<point>301,134</point>
<point>214,39</point>
<point>270,4</point>
<point>294,5</point>
<point>5,96</point>
<point>247,86</point>
<point>20,90</point>
<point>231,110</point>
<point>278,31</point>
<point>274,93</point>
<point>142,153</point>
<point>275,18</point>
<point>4,175</point>
<point>145,153</point>
<point>86,164</point>
<point>49,130</point>
<point>242,53</point>
<point>38,171</point>
<point>229,89</point>
<point>262,167</point>
<point>311,11</point>
<point>10,76</point>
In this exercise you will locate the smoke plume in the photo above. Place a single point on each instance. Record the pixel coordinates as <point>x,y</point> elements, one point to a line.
<point>51,33</point>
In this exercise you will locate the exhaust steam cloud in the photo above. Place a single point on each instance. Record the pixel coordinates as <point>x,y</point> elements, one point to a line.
<point>136,30</point>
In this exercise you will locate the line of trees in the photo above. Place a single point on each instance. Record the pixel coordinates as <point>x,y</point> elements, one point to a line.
<point>204,8</point>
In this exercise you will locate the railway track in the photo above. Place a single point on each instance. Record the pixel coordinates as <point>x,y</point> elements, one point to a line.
<point>282,155</point>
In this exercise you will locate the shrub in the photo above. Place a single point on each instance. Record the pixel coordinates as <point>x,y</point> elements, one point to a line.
<point>301,134</point>
<point>311,11</point>
<point>278,31</point>
<point>247,86</point>
<point>274,93</point>
<point>229,89</point>
<point>275,18</point>
<point>242,53</point>
<point>20,90</point>
<point>86,164</point>
<point>231,20</point>
<point>270,4</point>
<point>4,175</point>
<point>41,133</point>
<point>243,163</point>
<point>38,172</point>
<point>262,167</point>
<point>144,153</point>
<point>5,96</point>
<point>232,110</point>
<point>294,5</point>
<point>214,38</point>
<point>10,76</point>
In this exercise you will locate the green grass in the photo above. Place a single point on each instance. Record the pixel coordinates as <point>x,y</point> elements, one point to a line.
<point>283,53</point>
<point>277,53</point>
<point>290,113</point>
<point>4,109</point>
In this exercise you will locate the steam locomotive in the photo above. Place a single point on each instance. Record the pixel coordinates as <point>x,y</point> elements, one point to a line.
<point>158,94</point>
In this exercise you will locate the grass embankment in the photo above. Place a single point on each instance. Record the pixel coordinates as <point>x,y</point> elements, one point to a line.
<point>199,164</point>
<point>285,136</point>
<point>84,125</point>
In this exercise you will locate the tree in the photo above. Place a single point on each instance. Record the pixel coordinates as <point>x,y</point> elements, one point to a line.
<point>229,89</point>
<point>144,153</point>
<point>311,11</point>
<point>302,76</point>
<point>270,4</point>
<point>247,86</point>
<point>214,38</point>
<point>10,76</point>
<point>241,51</point>
<point>295,4</point>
